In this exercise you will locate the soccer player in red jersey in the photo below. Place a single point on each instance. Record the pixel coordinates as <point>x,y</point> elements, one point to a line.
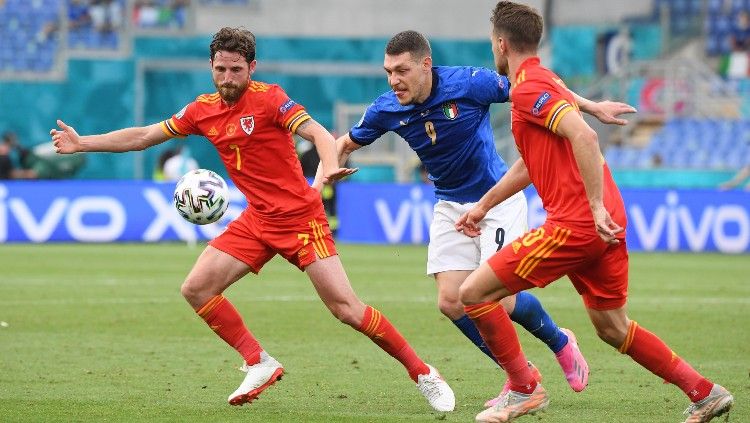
<point>251,125</point>
<point>583,236</point>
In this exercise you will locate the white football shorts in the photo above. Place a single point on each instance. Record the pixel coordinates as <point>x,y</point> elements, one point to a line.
<point>452,250</point>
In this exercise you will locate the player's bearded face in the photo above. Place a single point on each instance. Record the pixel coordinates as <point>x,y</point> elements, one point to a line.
<point>230,91</point>
<point>231,75</point>
<point>501,60</point>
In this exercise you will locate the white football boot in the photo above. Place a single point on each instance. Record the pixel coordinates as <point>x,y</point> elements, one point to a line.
<point>436,390</point>
<point>259,377</point>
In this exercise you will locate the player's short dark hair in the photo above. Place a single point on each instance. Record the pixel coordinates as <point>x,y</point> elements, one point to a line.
<point>409,42</point>
<point>234,40</point>
<point>520,24</point>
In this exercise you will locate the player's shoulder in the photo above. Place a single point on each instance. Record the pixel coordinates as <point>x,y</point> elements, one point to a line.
<point>538,76</point>
<point>462,73</point>
<point>455,80</point>
<point>208,99</point>
<point>531,81</point>
<point>263,87</point>
<point>459,76</point>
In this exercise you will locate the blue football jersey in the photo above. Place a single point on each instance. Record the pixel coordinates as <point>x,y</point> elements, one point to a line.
<point>450,131</point>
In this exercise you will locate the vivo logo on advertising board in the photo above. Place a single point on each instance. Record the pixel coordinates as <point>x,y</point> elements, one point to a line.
<point>725,227</point>
<point>414,212</point>
<point>659,220</point>
<point>41,211</point>
<point>54,211</point>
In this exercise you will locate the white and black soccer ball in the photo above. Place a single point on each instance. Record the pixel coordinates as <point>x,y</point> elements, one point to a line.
<point>201,196</point>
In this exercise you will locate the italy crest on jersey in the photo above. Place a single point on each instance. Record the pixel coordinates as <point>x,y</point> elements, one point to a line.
<point>248,124</point>
<point>450,109</point>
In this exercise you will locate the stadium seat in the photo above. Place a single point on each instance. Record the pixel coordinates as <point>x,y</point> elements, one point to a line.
<point>715,6</point>
<point>739,5</point>
<point>691,143</point>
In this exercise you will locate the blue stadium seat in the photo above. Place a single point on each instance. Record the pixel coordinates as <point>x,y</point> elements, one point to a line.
<point>695,7</point>
<point>722,24</point>
<point>715,6</point>
<point>612,156</point>
<point>738,5</point>
<point>225,2</point>
<point>679,7</point>
<point>21,24</point>
<point>692,143</point>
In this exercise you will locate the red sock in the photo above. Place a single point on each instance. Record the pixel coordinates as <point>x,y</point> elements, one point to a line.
<point>377,327</point>
<point>501,338</point>
<point>651,352</point>
<point>223,318</point>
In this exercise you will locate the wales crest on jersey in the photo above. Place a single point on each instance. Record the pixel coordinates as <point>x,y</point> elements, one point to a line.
<point>248,124</point>
<point>450,109</point>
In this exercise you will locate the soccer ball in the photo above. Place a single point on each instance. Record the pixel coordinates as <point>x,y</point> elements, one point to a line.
<point>201,196</point>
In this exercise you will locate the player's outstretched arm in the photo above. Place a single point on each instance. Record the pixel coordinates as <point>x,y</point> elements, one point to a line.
<point>329,169</point>
<point>606,111</point>
<point>590,161</point>
<point>66,140</point>
<point>516,179</point>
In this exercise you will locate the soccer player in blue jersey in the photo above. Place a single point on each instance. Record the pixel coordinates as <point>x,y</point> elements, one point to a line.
<point>443,113</point>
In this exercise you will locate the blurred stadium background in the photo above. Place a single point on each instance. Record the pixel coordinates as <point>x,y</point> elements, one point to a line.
<point>106,64</point>
<point>98,334</point>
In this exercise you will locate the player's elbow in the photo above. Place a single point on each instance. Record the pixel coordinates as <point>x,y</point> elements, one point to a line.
<point>588,136</point>
<point>349,146</point>
<point>142,143</point>
<point>139,145</point>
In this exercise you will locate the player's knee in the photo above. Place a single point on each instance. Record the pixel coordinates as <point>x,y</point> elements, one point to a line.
<point>187,290</point>
<point>611,335</point>
<point>346,314</point>
<point>451,307</point>
<point>468,295</point>
<point>192,292</point>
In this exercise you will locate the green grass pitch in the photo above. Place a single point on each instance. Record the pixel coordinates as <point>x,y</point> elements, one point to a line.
<point>100,333</point>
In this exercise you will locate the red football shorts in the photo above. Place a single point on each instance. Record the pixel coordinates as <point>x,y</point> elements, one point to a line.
<point>599,271</point>
<point>255,242</point>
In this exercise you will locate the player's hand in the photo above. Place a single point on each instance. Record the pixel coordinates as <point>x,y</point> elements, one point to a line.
<point>608,112</point>
<point>332,176</point>
<point>605,226</point>
<point>66,140</point>
<point>468,223</point>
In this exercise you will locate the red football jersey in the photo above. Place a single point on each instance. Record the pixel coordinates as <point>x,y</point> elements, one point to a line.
<point>540,100</point>
<point>254,139</point>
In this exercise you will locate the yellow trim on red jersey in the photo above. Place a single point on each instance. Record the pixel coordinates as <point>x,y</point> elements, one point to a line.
<point>320,246</point>
<point>542,251</point>
<point>296,119</point>
<point>169,127</point>
<point>521,77</point>
<point>558,110</point>
<point>209,98</point>
<point>555,107</point>
<point>556,121</point>
<point>257,86</point>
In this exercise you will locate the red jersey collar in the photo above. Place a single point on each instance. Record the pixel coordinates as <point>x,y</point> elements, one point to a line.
<point>531,61</point>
